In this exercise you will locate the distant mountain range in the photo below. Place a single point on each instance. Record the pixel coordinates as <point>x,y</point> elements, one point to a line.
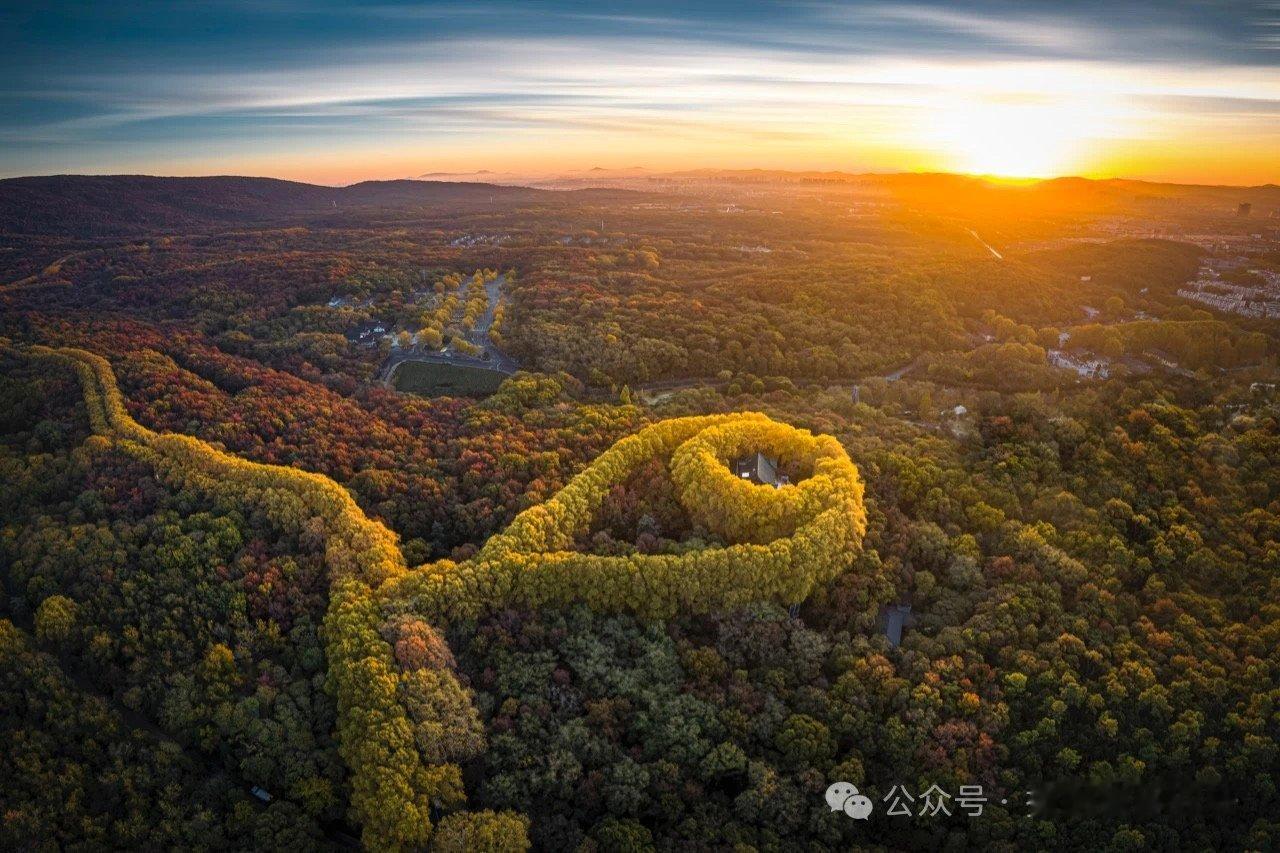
<point>115,205</point>
<point>953,193</point>
<point>604,176</point>
<point>93,205</point>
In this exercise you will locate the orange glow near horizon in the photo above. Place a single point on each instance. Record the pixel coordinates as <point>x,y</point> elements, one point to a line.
<point>996,119</point>
<point>997,136</point>
<point>995,149</point>
<point>1000,149</point>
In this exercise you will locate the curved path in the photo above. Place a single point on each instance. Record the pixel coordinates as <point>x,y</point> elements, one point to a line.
<point>787,540</point>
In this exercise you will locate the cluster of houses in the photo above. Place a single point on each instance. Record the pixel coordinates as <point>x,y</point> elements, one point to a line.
<point>1210,289</point>
<point>588,240</point>
<point>1234,298</point>
<point>348,302</point>
<point>367,334</point>
<point>1088,368</point>
<point>468,240</point>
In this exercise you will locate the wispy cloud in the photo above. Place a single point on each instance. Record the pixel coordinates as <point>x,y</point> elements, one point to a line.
<point>242,76</point>
<point>1056,35</point>
<point>1267,26</point>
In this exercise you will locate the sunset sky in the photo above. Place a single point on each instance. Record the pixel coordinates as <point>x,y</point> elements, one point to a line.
<point>338,92</point>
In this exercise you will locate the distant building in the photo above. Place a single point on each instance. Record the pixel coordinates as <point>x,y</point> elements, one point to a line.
<point>366,334</point>
<point>1093,368</point>
<point>759,469</point>
<point>1244,209</point>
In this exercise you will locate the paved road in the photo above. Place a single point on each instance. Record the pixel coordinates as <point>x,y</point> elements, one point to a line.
<point>493,291</point>
<point>901,371</point>
<point>986,245</point>
<point>479,335</point>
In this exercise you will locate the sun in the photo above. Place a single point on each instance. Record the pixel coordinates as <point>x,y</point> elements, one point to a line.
<point>1015,138</point>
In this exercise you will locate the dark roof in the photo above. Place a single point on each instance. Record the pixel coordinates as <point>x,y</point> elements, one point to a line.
<point>362,331</point>
<point>895,617</point>
<point>758,468</point>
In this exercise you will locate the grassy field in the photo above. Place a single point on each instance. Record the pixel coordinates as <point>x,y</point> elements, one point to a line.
<point>446,380</point>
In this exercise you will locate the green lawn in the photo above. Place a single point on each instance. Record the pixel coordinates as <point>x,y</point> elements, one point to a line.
<point>446,380</point>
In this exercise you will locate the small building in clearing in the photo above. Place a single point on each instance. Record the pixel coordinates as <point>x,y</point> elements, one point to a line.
<point>893,619</point>
<point>759,469</point>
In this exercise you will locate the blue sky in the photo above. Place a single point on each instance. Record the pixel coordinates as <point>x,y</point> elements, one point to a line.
<point>340,91</point>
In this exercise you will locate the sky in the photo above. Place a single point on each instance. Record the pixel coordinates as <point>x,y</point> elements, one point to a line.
<point>329,92</point>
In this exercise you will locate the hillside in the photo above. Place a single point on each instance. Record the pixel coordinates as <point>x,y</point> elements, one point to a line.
<point>125,205</point>
<point>112,205</point>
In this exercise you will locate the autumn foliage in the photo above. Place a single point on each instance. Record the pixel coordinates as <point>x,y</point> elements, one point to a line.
<point>783,541</point>
<point>405,721</point>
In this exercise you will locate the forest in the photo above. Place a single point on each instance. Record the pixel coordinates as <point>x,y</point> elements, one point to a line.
<point>254,596</point>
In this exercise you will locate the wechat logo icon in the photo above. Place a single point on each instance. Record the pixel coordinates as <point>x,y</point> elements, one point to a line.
<point>842,796</point>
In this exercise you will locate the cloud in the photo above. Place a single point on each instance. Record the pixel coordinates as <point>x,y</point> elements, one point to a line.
<point>1053,35</point>
<point>262,76</point>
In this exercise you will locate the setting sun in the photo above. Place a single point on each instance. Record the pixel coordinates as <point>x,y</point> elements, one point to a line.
<point>1012,138</point>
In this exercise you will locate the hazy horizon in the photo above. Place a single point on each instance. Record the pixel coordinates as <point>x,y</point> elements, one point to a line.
<point>511,178</point>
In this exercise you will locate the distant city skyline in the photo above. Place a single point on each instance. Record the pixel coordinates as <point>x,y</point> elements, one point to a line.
<point>333,92</point>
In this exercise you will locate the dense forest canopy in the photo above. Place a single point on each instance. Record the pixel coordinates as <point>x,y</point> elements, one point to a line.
<point>255,597</point>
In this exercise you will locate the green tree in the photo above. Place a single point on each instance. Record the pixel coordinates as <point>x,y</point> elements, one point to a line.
<point>55,620</point>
